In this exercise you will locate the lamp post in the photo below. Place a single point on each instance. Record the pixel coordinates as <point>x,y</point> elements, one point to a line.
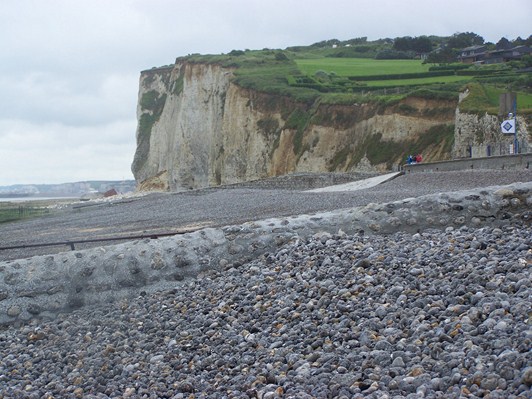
<point>516,142</point>
<point>509,126</point>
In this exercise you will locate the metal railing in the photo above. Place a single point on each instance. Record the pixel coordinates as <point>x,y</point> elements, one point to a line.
<point>71,243</point>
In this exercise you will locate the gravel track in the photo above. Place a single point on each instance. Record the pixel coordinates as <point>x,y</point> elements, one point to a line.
<point>235,204</point>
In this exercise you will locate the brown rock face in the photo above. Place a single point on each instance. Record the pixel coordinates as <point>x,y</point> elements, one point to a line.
<point>159,182</point>
<point>196,129</point>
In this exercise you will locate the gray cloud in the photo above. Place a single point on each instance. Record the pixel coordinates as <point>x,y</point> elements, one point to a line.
<point>69,69</point>
<point>57,153</point>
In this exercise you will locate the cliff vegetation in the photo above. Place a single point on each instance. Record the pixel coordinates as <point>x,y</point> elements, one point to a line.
<point>358,70</point>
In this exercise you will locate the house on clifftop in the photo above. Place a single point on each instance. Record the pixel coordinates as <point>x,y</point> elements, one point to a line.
<point>480,55</point>
<point>473,54</point>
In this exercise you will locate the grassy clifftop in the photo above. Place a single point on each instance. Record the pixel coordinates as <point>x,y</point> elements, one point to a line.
<point>351,75</point>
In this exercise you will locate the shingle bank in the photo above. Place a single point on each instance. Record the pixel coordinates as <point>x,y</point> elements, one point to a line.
<point>43,286</point>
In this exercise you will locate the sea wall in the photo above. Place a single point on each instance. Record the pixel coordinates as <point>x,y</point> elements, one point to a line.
<point>502,162</point>
<point>43,286</point>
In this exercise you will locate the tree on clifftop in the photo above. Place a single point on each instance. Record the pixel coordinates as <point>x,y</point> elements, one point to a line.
<point>445,55</point>
<point>463,40</point>
<point>421,44</point>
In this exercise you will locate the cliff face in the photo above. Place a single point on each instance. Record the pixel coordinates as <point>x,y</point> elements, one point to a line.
<point>481,135</point>
<point>180,114</point>
<point>197,129</point>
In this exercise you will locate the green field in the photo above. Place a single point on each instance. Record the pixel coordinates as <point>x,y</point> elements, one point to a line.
<point>360,66</point>
<point>10,212</point>
<point>485,98</point>
<point>337,77</point>
<point>524,100</point>
<point>311,73</point>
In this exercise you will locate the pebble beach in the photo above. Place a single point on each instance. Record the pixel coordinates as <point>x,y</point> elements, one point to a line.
<point>434,314</point>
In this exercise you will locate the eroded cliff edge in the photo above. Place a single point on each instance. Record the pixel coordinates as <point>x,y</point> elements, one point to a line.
<point>196,128</point>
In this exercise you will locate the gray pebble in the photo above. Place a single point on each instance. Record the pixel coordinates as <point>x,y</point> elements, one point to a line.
<point>400,316</point>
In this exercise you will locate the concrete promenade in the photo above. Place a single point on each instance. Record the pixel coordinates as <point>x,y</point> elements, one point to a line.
<point>502,162</point>
<point>357,185</point>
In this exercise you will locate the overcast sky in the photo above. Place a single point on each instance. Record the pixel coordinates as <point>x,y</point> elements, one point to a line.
<point>69,69</point>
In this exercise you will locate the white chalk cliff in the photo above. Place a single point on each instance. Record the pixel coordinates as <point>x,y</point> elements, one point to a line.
<point>197,128</point>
